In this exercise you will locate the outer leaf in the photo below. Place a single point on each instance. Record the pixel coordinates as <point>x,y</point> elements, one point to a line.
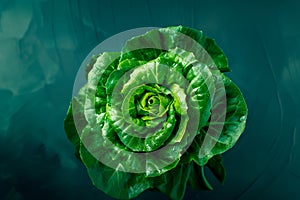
<point>105,64</point>
<point>197,178</point>
<point>75,111</point>
<point>151,44</point>
<point>234,125</point>
<point>89,66</point>
<point>116,183</point>
<point>209,44</point>
<point>216,166</point>
<point>71,131</point>
<point>173,183</point>
<point>95,93</point>
<point>236,115</point>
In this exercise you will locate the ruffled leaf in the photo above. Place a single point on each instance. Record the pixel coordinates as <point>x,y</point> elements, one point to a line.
<point>215,164</point>
<point>197,178</point>
<point>173,183</point>
<point>114,182</point>
<point>232,128</point>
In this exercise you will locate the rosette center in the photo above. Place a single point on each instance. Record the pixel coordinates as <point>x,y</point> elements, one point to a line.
<point>149,103</point>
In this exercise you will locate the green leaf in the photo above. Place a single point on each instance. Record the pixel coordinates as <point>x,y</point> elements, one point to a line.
<point>114,182</point>
<point>173,183</point>
<point>215,164</point>
<point>232,127</point>
<point>235,122</point>
<point>197,179</point>
<point>72,128</point>
<point>130,63</point>
<point>201,88</point>
<point>150,45</point>
<point>71,131</point>
<point>209,45</point>
<point>89,66</point>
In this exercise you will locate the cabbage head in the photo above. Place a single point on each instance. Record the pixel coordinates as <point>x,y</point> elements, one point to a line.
<point>156,114</point>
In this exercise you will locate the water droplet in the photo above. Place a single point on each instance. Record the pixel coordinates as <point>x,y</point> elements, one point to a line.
<point>243,118</point>
<point>216,77</point>
<point>212,66</point>
<point>169,125</point>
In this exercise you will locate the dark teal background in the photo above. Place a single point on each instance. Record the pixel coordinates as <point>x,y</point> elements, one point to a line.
<point>42,45</point>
